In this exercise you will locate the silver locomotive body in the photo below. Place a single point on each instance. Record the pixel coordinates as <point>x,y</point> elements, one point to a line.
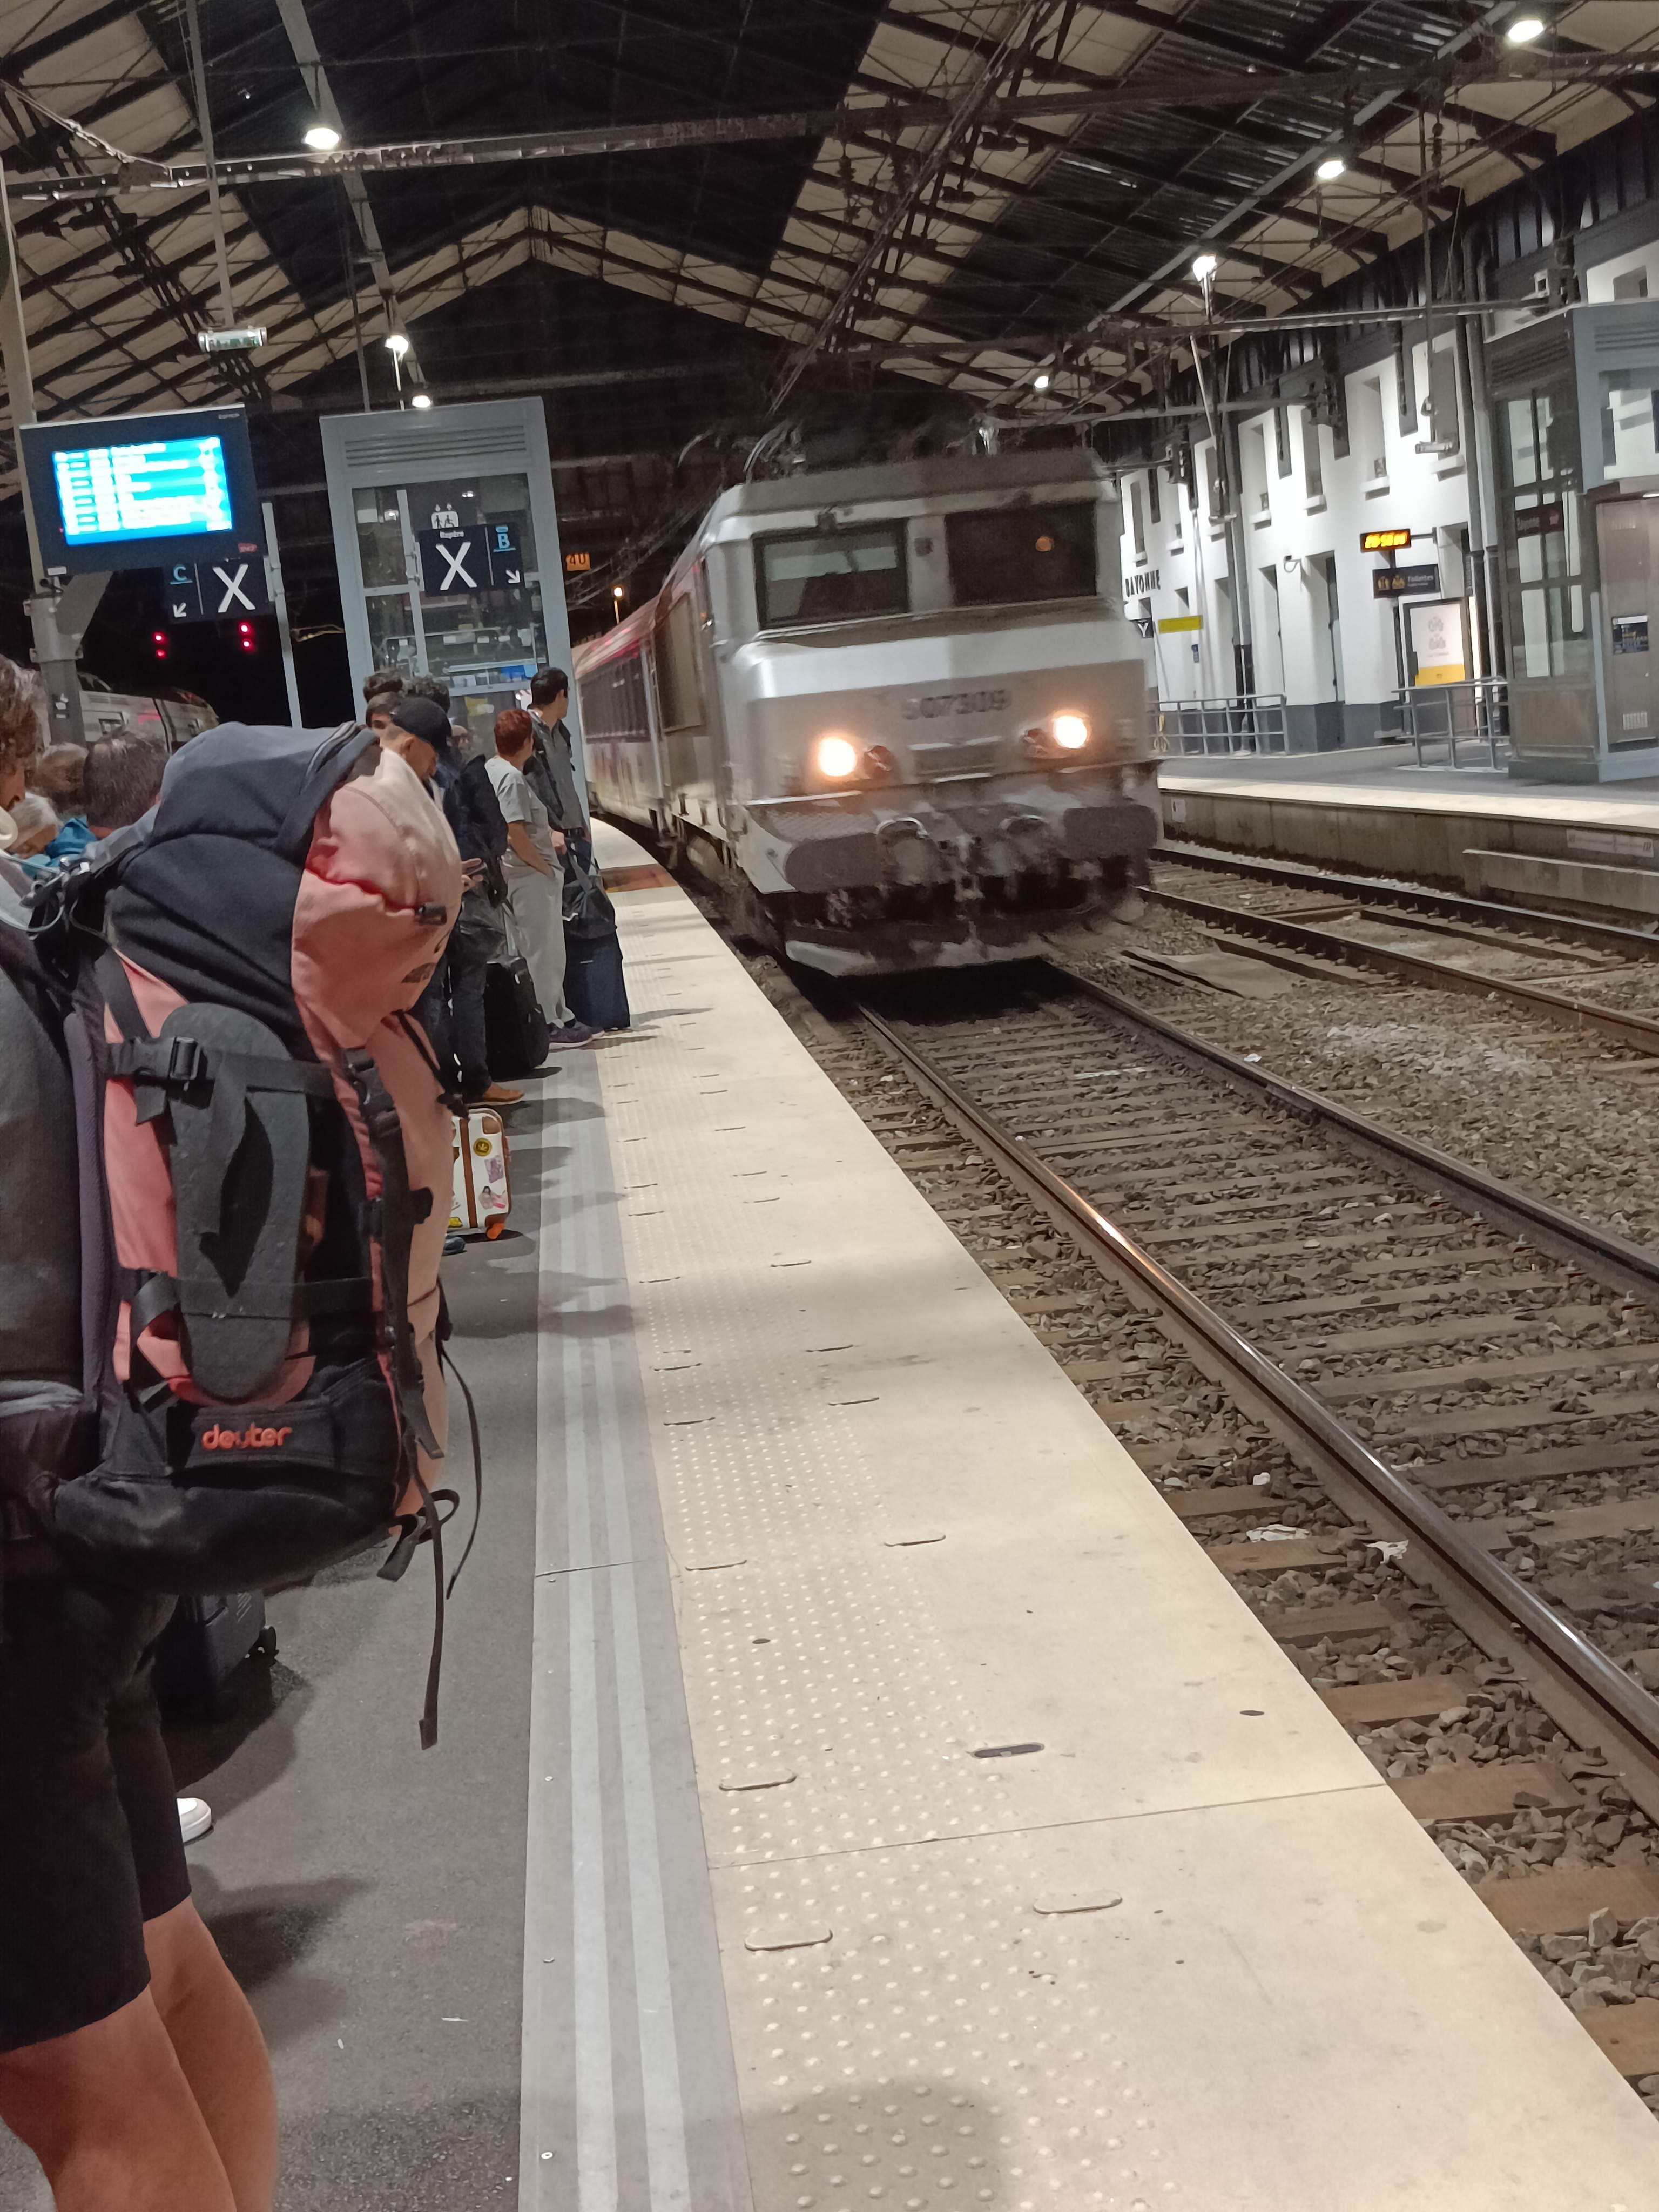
<point>891,711</point>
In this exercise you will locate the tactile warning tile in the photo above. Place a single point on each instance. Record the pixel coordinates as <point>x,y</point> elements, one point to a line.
<point>932,2052</point>
<point>822,1365</point>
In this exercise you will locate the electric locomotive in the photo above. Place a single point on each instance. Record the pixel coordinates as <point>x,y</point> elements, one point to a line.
<point>896,713</point>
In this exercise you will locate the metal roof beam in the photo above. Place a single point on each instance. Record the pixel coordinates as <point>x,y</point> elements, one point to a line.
<point>21,59</point>
<point>297,24</point>
<point>125,93</point>
<point>1349,237</point>
<point>1217,43</point>
<point>1509,139</point>
<point>1430,83</point>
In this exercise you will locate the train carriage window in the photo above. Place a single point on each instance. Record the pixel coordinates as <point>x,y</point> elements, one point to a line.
<point>826,575</point>
<point>1007,557</point>
<point>678,690</point>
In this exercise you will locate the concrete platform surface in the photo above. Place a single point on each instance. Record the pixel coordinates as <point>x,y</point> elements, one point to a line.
<point>704,1902</point>
<point>1388,775</point>
<point>1373,810</point>
<point>897,1537</point>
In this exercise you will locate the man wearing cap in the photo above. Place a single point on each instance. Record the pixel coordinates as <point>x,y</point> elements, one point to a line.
<point>451,1008</point>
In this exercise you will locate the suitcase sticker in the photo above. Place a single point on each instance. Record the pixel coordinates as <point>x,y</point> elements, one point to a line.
<point>482,1197</point>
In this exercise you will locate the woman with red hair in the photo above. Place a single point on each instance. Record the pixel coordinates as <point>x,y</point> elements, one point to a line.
<point>535,875</point>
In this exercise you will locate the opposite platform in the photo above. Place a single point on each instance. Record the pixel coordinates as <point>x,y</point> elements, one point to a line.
<point>790,1930</point>
<point>1374,811</point>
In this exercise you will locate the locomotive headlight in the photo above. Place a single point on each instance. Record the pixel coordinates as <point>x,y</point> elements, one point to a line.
<point>1071,732</point>
<point>835,757</point>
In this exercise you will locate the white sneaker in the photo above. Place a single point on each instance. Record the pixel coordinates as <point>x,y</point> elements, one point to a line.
<point>195,1818</point>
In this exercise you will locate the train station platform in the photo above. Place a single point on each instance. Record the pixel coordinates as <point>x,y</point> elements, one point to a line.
<point>855,1789</point>
<point>1371,809</point>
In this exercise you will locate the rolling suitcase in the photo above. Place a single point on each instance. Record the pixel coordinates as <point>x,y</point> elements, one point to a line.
<point>204,1645</point>
<point>482,1197</point>
<point>515,1027</point>
<point>593,981</point>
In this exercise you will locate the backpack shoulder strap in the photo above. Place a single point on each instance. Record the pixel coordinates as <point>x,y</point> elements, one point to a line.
<point>329,766</point>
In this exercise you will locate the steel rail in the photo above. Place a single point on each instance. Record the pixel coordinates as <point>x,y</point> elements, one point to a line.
<point>1450,906</point>
<point>1595,1699</point>
<point>1615,1259</point>
<point>1639,1031</point>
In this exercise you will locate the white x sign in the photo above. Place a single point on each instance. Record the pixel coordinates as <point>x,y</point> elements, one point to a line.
<point>455,568</point>
<point>234,595</point>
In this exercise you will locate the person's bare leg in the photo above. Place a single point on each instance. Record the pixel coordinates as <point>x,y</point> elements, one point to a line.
<point>217,2039</point>
<point>110,2116</point>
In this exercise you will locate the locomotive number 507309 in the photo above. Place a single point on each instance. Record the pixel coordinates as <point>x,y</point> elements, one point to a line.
<point>927,707</point>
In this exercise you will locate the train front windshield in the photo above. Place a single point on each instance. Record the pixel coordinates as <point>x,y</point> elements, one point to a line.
<point>832,575</point>
<point>1014,556</point>
<point>998,556</point>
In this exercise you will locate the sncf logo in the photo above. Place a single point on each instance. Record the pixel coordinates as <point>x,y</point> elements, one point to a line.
<point>218,1439</point>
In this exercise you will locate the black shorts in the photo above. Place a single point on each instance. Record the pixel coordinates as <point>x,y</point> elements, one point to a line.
<point>89,1841</point>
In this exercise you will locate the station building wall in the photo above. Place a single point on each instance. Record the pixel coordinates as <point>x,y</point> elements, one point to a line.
<point>1319,635</point>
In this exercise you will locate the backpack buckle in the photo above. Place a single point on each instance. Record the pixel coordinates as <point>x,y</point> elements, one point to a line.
<point>187,1061</point>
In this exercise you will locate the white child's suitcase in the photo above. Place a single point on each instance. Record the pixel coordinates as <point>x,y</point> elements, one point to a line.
<point>482,1198</point>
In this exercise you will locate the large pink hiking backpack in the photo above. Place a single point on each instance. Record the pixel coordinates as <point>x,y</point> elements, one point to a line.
<point>264,1162</point>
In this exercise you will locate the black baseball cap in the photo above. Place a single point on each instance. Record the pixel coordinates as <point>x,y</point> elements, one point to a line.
<point>422,718</point>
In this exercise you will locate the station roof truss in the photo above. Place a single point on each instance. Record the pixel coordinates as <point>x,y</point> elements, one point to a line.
<point>970,193</point>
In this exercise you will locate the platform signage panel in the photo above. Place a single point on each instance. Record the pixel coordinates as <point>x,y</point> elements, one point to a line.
<point>142,491</point>
<point>1420,581</point>
<point>205,591</point>
<point>476,557</point>
<point>1384,541</point>
<point>1437,641</point>
<point>1543,521</point>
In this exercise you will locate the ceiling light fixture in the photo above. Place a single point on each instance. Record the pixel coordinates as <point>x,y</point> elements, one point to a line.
<point>322,138</point>
<point>1329,170</point>
<point>420,399</point>
<point>397,345</point>
<point>1205,267</point>
<point>1040,381</point>
<point>1524,29</point>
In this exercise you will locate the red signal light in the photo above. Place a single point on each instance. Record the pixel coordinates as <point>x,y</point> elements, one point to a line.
<point>245,637</point>
<point>159,642</point>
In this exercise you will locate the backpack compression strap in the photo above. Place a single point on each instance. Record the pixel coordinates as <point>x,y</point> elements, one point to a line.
<point>398,1210</point>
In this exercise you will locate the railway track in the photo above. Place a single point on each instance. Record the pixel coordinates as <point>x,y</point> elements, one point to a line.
<point>1471,1375</point>
<point>1615,938</point>
<point>1588,978</point>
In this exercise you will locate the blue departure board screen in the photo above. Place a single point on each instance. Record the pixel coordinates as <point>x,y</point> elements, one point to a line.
<point>141,491</point>
<point>169,488</point>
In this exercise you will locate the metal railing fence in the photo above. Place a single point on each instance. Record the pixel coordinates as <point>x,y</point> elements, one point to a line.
<point>1437,717</point>
<point>1253,722</point>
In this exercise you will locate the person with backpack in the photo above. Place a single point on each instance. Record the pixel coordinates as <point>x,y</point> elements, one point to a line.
<point>224,1163</point>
